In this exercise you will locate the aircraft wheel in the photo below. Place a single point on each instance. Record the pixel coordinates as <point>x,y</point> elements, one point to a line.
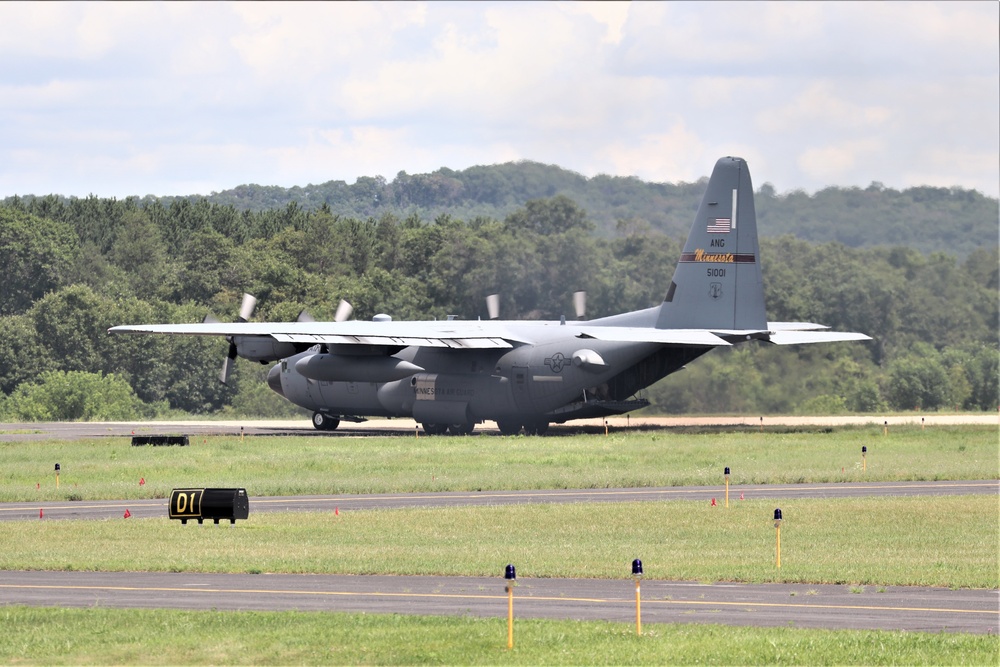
<point>434,429</point>
<point>540,427</point>
<point>509,426</point>
<point>461,429</point>
<point>324,422</point>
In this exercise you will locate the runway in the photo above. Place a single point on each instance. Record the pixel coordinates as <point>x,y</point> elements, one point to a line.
<point>107,509</point>
<point>796,605</point>
<point>37,431</point>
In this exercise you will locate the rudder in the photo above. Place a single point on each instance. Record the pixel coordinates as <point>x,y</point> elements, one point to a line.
<point>717,284</point>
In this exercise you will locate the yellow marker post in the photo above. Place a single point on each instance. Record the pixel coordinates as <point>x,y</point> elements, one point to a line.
<point>637,575</point>
<point>57,475</point>
<point>241,434</point>
<point>761,424</point>
<point>885,431</point>
<point>727,486</point>
<point>777,527</point>
<point>510,574</point>
<point>864,459</point>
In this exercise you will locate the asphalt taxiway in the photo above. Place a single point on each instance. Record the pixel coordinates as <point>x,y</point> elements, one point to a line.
<point>797,605</point>
<point>106,509</point>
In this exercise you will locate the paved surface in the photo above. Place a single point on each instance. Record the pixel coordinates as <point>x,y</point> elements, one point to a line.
<point>303,427</point>
<point>799,605</point>
<point>107,509</point>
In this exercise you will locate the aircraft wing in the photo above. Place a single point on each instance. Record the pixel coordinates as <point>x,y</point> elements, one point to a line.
<point>451,334</point>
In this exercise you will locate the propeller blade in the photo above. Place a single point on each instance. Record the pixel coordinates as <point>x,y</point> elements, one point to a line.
<point>344,311</point>
<point>580,304</point>
<point>304,316</point>
<point>246,311</point>
<point>246,308</point>
<point>493,306</point>
<point>227,364</point>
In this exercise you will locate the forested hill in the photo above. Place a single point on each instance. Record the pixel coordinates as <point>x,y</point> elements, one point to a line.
<point>929,219</point>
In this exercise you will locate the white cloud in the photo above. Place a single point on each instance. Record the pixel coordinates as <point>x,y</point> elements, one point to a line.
<point>123,98</point>
<point>678,153</point>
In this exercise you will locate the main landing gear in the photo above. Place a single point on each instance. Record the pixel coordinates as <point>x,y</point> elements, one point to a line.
<point>323,422</point>
<point>531,426</point>
<point>454,429</point>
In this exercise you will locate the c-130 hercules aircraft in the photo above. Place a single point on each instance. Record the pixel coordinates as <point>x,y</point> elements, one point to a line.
<point>451,375</point>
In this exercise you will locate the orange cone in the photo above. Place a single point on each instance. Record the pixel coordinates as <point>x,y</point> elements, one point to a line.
<point>127,513</point>
<point>336,511</point>
<point>713,502</point>
<point>41,514</point>
<point>741,496</point>
<point>142,481</point>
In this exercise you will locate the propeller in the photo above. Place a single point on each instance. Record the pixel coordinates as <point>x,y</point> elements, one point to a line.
<point>580,305</point>
<point>246,310</point>
<point>493,306</point>
<point>344,311</point>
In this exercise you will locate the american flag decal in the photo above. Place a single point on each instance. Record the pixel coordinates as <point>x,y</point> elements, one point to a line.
<point>718,226</point>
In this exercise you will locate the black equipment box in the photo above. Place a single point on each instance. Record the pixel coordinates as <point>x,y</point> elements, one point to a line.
<point>214,504</point>
<point>159,440</point>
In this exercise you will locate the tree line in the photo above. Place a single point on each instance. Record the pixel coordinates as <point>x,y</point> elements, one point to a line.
<point>952,220</point>
<point>73,268</point>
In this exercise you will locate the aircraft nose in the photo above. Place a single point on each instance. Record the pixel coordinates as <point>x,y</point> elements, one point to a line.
<point>274,379</point>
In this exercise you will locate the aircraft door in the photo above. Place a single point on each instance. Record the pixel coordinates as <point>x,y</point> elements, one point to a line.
<point>519,378</point>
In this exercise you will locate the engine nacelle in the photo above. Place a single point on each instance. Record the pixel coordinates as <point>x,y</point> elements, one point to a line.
<point>351,368</point>
<point>262,348</point>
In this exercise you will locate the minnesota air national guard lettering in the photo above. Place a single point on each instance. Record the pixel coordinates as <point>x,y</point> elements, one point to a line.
<point>451,375</point>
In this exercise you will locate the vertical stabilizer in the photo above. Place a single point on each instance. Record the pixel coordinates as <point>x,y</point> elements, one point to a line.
<point>717,283</point>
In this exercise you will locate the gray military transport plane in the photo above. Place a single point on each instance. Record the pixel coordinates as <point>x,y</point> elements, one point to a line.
<point>451,375</point>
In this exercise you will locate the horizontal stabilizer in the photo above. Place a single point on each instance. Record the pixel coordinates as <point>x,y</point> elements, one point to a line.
<point>802,337</point>
<point>795,326</point>
<point>695,337</point>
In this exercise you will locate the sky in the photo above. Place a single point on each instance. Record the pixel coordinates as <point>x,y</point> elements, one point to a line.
<point>136,98</point>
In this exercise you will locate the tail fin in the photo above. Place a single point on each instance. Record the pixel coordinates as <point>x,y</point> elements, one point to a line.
<point>717,283</point>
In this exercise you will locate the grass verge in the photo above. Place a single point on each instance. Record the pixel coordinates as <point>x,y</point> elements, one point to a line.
<point>111,468</point>
<point>947,541</point>
<point>136,636</point>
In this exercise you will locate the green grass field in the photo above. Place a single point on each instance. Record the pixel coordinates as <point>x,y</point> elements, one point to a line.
<point>942,541</point>
<point>138,636</point>
<point>950,541</point>
<point>111,468</point>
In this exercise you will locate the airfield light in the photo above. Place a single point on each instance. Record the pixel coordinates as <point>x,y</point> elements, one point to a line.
<point>57,475</point>
<point>727,485</point>
<point>510,575</point>
<point>777,527</point>
<point>864,460</point>
<point>637,575</point>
